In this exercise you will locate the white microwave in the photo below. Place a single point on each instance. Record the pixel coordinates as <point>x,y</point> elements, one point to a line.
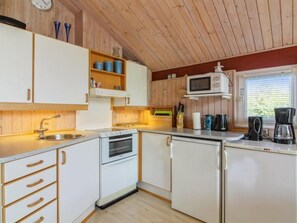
<point>210,83</point>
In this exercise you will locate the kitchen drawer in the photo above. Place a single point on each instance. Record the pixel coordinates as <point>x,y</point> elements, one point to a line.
<point>22,208</point>
<point>47,213</point>
<point>22,167</point>
<point>27,185</point>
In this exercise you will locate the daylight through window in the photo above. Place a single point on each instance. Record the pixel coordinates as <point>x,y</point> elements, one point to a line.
<point>259,93</point>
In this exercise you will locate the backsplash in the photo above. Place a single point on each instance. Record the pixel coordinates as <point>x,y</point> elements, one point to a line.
<point>169,92</point>
<point>130,116</point>
<point>22,122</point>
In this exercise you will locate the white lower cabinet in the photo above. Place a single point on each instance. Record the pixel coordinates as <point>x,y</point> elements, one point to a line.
<point>46,214</point>
<point>156,167</point>
<point>78,167</point>
<point>196,178</point>
<point>29,204</point>
<point>260,187</point>
<point>29,185</point>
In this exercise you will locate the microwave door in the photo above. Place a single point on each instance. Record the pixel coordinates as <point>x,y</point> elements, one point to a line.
<point>200,85</point>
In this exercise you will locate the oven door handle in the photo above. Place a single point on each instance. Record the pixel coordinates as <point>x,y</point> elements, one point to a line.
<point>124,160</point>
<point>120,139</point>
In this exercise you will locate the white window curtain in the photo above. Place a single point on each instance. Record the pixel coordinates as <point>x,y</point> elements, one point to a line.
<point>259,93</point>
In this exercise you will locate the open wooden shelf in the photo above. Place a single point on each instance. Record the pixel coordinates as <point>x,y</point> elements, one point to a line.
<point>106,72</point>
<point>108,80</point>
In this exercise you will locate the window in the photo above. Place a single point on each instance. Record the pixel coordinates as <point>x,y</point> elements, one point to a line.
<point>260,91</point>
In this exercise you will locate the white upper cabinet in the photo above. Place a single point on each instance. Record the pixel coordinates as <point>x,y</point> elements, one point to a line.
<point>136,83</point>
<point>60,72</point>
<point>16,46</point>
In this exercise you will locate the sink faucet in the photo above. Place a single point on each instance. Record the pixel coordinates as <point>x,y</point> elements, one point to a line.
<point>41,130</point>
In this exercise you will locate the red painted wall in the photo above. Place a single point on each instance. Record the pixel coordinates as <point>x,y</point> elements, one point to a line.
<point>273,58</point>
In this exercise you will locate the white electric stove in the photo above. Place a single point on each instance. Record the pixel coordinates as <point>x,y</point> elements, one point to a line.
<point>118,164</point>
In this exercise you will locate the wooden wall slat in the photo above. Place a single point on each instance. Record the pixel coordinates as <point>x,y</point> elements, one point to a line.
<point>264,16</point>
<point>210,37</point>
<point>245,24</point>
<point>1,7</point>
<point>238,32</point>
<point>275,18</point>
<point>201,30</point>
<point>287,21</point>
<point>253,14</point>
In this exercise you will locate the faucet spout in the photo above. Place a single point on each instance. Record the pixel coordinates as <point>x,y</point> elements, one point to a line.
<point>41,130</point>
<point>45,119</point>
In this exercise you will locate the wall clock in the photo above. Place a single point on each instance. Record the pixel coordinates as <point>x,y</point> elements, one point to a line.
<point>43,5</point>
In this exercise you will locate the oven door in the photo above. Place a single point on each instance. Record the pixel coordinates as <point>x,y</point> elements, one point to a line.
<point>118,147</point>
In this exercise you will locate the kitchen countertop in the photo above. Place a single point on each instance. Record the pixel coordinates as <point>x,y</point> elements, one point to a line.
<point>17,147</point>
<point>203,134</point>
<point>265,145</point>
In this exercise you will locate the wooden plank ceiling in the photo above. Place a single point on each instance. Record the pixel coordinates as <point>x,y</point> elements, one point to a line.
<point>165,34</point>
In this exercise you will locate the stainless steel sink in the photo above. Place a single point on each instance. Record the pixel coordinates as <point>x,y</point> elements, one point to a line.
<point>58,137</point>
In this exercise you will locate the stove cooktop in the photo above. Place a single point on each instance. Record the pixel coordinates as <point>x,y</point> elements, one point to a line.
<point>107,132</point>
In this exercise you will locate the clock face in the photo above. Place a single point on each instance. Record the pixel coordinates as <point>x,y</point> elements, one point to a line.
<point>42,4</point>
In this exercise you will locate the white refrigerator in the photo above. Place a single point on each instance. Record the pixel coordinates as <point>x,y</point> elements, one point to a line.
<point>260,186</point>
<point>196,178</point>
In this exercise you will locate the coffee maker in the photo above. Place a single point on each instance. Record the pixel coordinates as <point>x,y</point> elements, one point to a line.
<point>284,131</point>
<point>255,132</point>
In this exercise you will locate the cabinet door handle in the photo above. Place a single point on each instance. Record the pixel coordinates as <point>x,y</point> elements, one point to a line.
<point>225,160</point>
<point>128,100</point>
<point>168,141</point>
<point>36,183</point>
<point>87,98</point>
<point>63,158</point>
<point>28,94</point>
<point>39,220</point>
<point>35,164</point>
<point>35,203</point>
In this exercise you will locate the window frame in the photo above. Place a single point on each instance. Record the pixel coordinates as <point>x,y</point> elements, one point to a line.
<point>239,81</point>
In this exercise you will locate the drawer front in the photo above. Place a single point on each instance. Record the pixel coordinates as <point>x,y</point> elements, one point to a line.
<point>45,214</point>
<point>24,186</point>
<point>22,167</point>
<point>26,206</point>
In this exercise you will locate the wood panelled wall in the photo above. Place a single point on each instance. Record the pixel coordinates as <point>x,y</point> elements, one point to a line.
<point>169,92</point>
<point>38,21</point>
<point>130,116</point>
<point>94,37</point>
<point>20,122</point>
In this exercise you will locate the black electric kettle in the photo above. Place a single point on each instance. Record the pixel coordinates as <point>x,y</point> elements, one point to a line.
<point>221,122</point>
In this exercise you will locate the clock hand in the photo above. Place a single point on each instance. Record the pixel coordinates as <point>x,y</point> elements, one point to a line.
<point>44,2</point>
